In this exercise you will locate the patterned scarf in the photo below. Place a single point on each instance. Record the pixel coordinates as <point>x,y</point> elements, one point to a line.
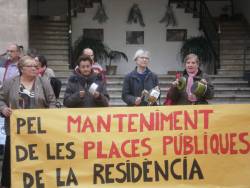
<point>191,97</point>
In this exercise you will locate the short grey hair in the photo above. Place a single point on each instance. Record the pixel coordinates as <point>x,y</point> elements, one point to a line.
<point>140,53</point>
<point>189,56</point>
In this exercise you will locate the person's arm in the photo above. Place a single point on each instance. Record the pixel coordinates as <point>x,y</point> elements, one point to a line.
<point>72,96</point>
<point>101,97</point>
<point>4,109</point>
<point>50,72</point>
<point>49,93</point>
<point>126,96</point>
<point>209,94</point>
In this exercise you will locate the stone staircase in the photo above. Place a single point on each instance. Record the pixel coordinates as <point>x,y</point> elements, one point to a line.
<point>234,39</point>
<point>49,36</point>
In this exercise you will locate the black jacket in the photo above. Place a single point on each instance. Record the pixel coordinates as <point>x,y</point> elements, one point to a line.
<point>132,86</point>
<point>77,83</point>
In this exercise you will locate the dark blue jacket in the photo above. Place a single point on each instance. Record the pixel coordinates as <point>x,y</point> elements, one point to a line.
<point>133,87</point>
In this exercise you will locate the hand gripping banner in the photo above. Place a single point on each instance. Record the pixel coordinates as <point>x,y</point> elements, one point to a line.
<point>204,146</point>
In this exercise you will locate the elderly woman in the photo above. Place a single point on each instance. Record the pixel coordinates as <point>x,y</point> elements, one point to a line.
<point>85,88</point>
<point>23,92</point>
<point>194,87</point>
<point>139,80</point>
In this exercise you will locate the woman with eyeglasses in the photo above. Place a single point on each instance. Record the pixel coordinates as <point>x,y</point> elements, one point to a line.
<point>27,91</point>
<point>139,83</point>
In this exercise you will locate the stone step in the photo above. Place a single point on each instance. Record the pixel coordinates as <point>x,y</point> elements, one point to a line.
<point>54,52</point>
<point>60,68</point>
<point>234,61</point>
<point>233,30</point>
<point>48,37</point>
<point>49,42</point>
<point>53,41</point>
<point>43,23</point>
<point>236,34</point>
<point>232,52</point>
<point>234,67</point>
<point>50,47</point>
<point>232,47</point>
<point>65,74</point>
<point>224,41</point>
<point>230,72</point>
<point>56,57</point>
<point>58,62</point>
<point>232,37</point>
<point>37,28</point>
<point>230,25</point>
<point>47,32</point>
<point>234,56</point>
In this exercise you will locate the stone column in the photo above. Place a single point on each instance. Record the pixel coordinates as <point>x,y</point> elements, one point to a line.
<point>14,23</point>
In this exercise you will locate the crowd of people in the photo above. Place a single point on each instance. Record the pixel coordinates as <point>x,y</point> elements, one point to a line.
<point>27,84</point>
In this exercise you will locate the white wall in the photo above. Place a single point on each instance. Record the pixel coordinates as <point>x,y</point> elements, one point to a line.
<point>14,23</point>
<point>164,54</point>
<point>243,6</point>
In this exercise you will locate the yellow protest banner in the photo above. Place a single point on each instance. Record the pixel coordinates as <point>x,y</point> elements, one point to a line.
<point>133,147</point>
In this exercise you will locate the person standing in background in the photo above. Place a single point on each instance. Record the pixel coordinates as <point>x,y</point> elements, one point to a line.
<point>139,80</point>
<point>85,88</point>
<point>193,87</point>
<point>11,69</point>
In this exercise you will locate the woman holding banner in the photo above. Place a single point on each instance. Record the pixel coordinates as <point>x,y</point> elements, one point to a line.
<point>192,87</point>
<point>22,92</point>
<point>85,88</point>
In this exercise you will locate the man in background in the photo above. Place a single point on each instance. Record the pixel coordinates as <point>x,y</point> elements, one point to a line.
<point>11,70</point>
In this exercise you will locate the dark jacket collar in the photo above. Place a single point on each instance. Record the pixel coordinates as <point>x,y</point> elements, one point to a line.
<point>134,72</point>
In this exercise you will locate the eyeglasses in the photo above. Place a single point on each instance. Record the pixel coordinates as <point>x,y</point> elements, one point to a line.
<point>35,66</point>
<point>11,51</point>
<point>145,58</point>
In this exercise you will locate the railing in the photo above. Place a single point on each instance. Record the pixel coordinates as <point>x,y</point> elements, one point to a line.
<point>207,24</point>
<point>209,27</point>
<point>69,34</point>
<point>246,70</point>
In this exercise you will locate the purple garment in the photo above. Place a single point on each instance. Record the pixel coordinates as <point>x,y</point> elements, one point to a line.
<point>11,70</point>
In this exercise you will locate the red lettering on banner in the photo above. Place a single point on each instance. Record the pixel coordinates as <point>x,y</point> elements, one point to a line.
<point>87,124</point>
<point>187,145</point>
<point>120,118</point>
<point>100,153</point>
<point>145,145</point>
<point>101,123</point>
<point>206,117</point>
<point>244,141</point>
<point>128,149</point>
<point>166,140</point>
<point>176,120</point>
<point>148,125</point>
<point>188,120</point>
<point>72,120</point>
<point>131,122</point>
<point>87,146</point>
<point>233,143</point>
